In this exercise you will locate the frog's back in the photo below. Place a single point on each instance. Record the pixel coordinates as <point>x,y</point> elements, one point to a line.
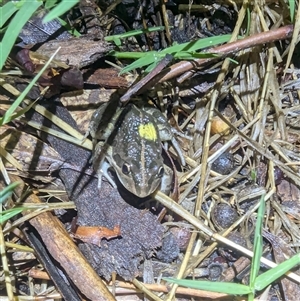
<point>136,151</point>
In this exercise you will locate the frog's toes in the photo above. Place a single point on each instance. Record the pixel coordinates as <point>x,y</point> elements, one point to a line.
<point>103,171</point>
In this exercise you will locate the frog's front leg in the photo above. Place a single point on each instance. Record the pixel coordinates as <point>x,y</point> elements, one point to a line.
<point>100,164</point>
<point>167,134</point>
<point>166,181</point>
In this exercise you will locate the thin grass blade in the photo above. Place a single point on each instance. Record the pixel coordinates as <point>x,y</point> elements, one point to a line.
<point>69,28</point>
<point>185,55</point>
<point>129,55</point>
<point>8,214</point>
<point>265,279</point>
<point>59,10</point>
<point>176,50</point>
<point>255,264</point>
<point>218,287</point>
<point>9,114</point>
<point>50,4</point>
<point>292,9</point>
<point>7,191</point>
<point>15,27</point>
<point>133,33</point>
<point>197,44</point>
<point>147,59</point>
<point>6,12</point>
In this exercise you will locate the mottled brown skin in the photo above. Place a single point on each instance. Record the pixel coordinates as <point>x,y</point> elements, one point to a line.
<point>133,146</point>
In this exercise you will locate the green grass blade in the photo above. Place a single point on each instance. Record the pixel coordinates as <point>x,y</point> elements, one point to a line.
<point>218,287</point>
<point>147,59</point>
<point>257,248</point>
<point>67,26</point>
<point>6,12</point>
<point>22,111</point>
<point>248,21</point>
<point>15,26</point>
<point>292,9</point>
<point>129,55</point>
<point>9,114</point>
<point>151,67</point>
<point>50,4</point>
<point>197,44</point>
<point>59,10</point>
<point>150,58</point>
<point>117,42</point>
<point>184,55</point>
<point>132,33</point>
<point>174,50</point>
<point>8,214</point>
<point>265,279</point>
<point>7,191</point>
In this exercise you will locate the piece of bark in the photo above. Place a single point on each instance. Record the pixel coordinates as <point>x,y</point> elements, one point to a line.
<point>236,268</point>
<point>108,78</point>
<point>89,8</point>
<point>79,52</point>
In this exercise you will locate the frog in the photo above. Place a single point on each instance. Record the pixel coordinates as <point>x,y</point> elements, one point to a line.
<point>130,142</point>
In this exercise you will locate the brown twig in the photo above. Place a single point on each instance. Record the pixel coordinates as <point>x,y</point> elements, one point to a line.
<point>184,67</point>
<point>146,81</point>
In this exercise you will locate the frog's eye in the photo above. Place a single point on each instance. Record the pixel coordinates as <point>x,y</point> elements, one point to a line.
<point>126,169</point>
<point>161,172</point>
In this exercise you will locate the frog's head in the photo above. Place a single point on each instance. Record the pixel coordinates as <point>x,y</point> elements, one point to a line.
<point>141,177</point>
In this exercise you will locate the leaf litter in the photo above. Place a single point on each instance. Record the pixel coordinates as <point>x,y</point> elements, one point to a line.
<point>243,120</point>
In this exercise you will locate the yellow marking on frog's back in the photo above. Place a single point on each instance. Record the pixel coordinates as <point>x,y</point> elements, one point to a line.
<point>147,131</point>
